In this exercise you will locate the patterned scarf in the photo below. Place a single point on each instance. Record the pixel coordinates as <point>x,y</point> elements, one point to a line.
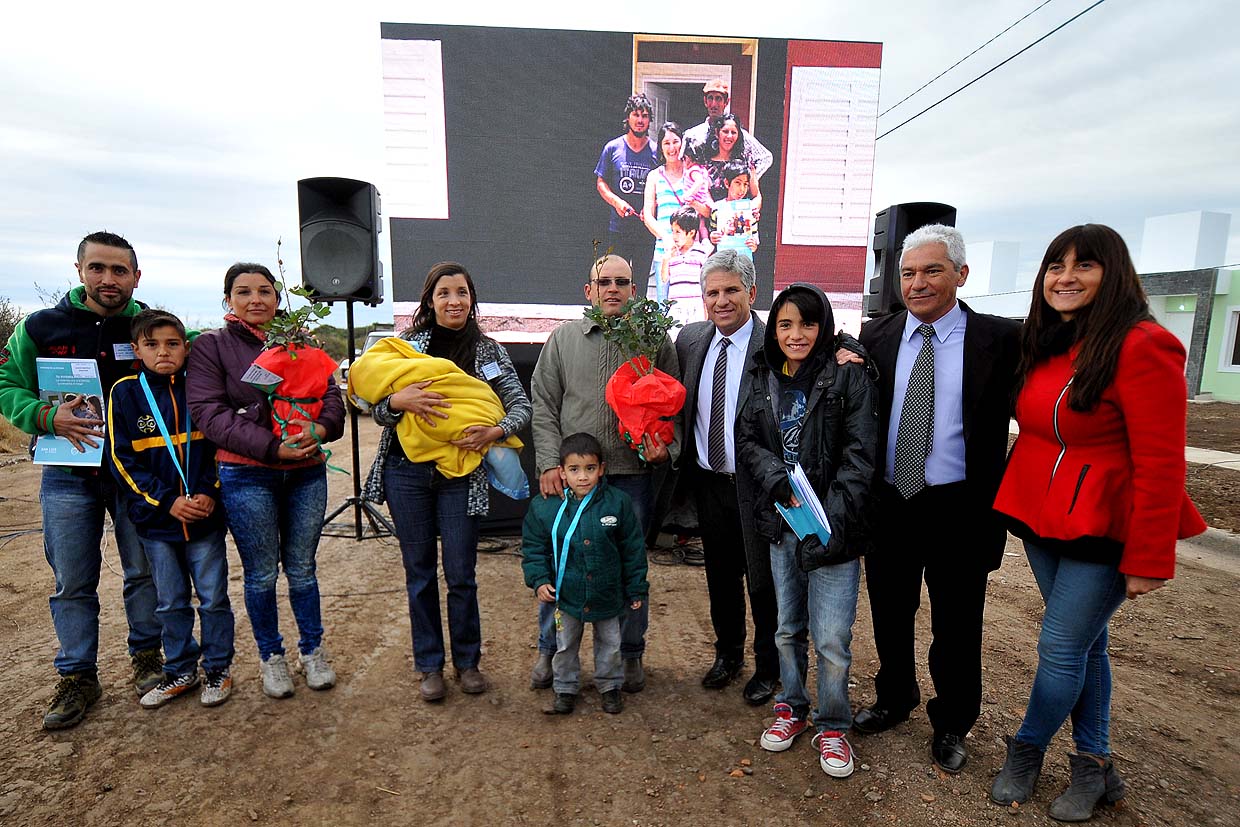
<point>258,332</point>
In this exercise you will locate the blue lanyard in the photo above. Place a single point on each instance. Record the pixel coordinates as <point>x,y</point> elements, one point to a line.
<point>561,561</point>
<point>163,429</point>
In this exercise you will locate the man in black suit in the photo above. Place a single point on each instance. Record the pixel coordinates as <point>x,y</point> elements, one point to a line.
<point>716,376</point>
<point>945,386</point>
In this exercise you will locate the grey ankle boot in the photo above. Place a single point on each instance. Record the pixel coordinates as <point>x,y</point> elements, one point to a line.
<point>1092,783</point>
<point>1015,782</point>
<point>540,675</point>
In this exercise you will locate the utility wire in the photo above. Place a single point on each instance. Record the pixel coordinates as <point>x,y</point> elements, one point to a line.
<point>966,57</point>
<point>992,69</point>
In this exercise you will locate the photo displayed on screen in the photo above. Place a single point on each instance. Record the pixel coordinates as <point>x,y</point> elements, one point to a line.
<point>524,153</point>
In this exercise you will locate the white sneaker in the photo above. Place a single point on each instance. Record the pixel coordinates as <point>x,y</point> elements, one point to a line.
<point>277,683</point>
<point>319,674</point>
<point>169,689</point>
<point>216,687</point>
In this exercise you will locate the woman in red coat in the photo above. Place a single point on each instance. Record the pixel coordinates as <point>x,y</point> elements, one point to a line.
<point>1095,488</point>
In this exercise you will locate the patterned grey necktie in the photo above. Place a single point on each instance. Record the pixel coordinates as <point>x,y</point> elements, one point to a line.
<point>916,433</point>
<point>716,447</point>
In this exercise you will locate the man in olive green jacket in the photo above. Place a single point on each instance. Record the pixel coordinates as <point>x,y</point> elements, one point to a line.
<point>567,390</point>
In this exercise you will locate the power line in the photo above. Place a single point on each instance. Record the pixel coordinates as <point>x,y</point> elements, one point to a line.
<point>963,59</point>
<point>992,69</point>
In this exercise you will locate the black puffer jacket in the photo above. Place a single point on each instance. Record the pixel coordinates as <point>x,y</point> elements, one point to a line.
<point>838,442</point>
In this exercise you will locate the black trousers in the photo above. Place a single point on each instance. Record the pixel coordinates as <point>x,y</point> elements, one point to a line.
<point>928,536</point>
<point>723,543</point>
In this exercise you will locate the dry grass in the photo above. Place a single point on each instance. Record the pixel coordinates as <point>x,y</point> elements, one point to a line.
<point>12,440</point>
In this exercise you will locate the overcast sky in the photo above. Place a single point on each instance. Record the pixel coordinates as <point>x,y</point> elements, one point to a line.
<point>185,126</point>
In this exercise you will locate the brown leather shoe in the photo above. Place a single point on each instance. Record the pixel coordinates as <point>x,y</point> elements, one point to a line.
<point>472,681</point>
<point>432,688</point>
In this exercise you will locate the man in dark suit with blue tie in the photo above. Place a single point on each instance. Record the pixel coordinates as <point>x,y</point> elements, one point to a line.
<point>715,355</point>
<point>945,386</point>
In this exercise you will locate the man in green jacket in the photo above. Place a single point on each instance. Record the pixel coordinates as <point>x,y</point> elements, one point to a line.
<point>91,322</point>
<point>568,395</point>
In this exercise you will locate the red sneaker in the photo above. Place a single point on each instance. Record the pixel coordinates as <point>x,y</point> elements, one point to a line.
<point>835,754</point>
<point>780,735</point>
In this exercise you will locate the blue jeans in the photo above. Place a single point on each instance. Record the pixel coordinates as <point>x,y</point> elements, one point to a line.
<point>566,665</point>
<point>73,509</point>
<point>276,518</point>
<point>823,604</point>
<point>424,504</point>
<point>204,563</point>
<point>1074,670</point>
<point>634,622</point>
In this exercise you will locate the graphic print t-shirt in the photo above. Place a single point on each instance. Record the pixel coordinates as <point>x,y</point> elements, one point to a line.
<point>625,172</point>
<point>792,404</point>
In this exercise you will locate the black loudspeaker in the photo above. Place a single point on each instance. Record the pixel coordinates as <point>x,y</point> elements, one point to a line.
<point>340,226</point>
<point>507,515</point>
<point>891,227</point>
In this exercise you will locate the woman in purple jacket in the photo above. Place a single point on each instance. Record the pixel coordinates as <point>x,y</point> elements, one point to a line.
<point>274,491</point>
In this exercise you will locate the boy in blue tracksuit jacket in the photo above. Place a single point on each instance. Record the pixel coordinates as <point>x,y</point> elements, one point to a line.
<point>586,553</point>
<point>166,471</point>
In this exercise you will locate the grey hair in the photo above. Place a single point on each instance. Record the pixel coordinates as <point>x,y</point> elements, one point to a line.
<point>732,262</point>
<point>949,237</point>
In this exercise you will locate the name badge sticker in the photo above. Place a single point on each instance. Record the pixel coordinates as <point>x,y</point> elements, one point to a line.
<point>490,370</point>
<point>123,352</point>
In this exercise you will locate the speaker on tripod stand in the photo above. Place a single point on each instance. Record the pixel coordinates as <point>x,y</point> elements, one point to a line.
<point>340,221</point>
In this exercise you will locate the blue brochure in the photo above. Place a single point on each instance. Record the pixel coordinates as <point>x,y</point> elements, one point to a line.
<point>62,381</point>
<point>808,517</point>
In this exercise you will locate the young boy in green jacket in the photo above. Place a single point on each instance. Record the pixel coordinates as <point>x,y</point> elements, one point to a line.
<point>586,553</point>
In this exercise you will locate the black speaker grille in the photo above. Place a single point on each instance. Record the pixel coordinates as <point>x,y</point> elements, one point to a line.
<point>337,260</point>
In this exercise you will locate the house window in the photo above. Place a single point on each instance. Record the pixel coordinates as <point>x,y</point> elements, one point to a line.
<point>1229,357</point>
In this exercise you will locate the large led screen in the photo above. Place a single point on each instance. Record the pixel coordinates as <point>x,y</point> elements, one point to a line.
<point>511,151</point>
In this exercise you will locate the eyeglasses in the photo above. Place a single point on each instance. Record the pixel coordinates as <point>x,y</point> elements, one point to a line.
<point>609,282</point>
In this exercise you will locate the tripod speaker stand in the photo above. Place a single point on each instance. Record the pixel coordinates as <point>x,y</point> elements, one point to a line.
<point>378,523</point>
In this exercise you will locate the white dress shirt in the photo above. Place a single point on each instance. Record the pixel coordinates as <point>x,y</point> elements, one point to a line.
<point>738,353</point>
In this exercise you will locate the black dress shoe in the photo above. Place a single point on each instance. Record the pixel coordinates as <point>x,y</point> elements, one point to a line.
<point>949,752</point>
<point>875,719</point>
<point>760,689</point>
<point>721,673</point>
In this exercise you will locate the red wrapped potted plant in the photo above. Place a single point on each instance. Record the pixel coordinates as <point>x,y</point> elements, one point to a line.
<point>644,398</point>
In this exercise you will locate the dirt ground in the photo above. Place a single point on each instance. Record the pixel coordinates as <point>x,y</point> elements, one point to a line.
<point>370,752</point>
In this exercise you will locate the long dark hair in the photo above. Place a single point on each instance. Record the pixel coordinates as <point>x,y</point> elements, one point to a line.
<point>1101,325</point>
<point>424,317</point>
<point>739,151</point>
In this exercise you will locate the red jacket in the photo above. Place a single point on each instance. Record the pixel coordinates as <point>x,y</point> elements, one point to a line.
<point>1116,471</point>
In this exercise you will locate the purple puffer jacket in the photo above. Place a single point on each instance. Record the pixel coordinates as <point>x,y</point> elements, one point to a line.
<point>233,414</point>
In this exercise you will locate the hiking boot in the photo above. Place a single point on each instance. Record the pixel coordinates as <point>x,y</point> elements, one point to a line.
<point>74,695</point>
<point>148,670</point>
<point>432,687</point>
<point>319,675</point>
<point>834,753</point>
<point>1092,784</point>
<point>634,675</point>
<point>277,683</point>
<point>169,689</point>
<point>540,675</point>
<point>780,735</point>
<point>613,703</point>
<point>216,687</point>
<point>564,704</point>
<point>1015,782</point>
<point>472,681</point>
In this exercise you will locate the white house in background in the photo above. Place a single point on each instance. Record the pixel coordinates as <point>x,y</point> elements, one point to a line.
<point>1184,241</point>
<point>1178,260</point>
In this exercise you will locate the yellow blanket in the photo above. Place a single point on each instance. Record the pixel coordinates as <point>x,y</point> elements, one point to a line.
<point>391,364</point>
